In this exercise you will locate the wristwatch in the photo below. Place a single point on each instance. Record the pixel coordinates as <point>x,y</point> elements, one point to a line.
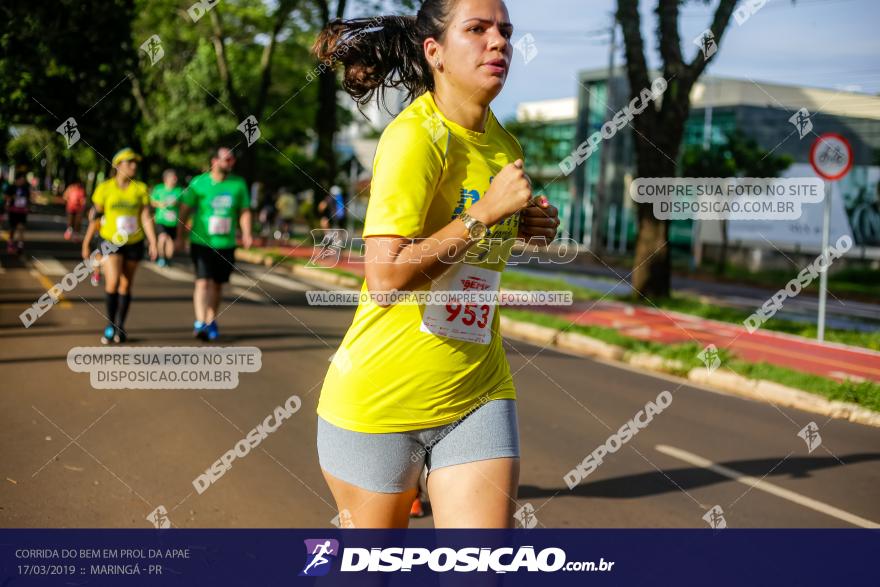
<point>477,230</point>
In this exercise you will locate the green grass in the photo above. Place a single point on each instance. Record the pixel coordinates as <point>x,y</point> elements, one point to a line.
<point>278,257</point>
<point>693,306</point>
<point>510,280</point>
<point>861,282</point>
<point>865,394</point>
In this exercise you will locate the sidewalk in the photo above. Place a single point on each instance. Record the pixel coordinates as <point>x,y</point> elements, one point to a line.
<point>829,360</point>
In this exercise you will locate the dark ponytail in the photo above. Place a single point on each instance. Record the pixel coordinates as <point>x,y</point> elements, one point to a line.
<point>384,51</point>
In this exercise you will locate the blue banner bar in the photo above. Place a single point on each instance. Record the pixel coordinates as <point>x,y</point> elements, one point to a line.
<point>252,558</point>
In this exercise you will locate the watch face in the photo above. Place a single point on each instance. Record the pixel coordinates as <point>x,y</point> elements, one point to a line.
<point>478,231</point>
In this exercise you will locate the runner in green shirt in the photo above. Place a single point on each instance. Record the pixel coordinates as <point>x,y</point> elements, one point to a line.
<point>165,199</point>
<point>218,201</point>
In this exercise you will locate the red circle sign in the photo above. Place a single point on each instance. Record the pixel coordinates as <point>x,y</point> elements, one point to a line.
<point>831,156</point>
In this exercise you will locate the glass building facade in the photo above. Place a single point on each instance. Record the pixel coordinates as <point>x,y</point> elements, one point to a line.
<point>612,164</point>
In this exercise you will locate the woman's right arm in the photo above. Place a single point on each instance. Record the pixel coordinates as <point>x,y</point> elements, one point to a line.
<point>396,263</point>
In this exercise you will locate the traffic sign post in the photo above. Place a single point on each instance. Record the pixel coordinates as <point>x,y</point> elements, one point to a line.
<point>831,157</point>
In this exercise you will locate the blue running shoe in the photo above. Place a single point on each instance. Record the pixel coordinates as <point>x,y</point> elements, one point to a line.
<point>213,331</point>
<point>199,330</point>
<point>109,333</point>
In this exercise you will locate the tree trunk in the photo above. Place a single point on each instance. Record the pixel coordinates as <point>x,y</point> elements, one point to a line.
<point>325,118</point>
<point>721,267</point>
<point>652,264</point>
<point>325,128</point>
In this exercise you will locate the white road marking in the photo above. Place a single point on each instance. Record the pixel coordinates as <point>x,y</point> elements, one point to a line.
<point>171,273</point>
<point>283,282</point>
<point>248,295</point>
<point>49,266</point>
<point>175,274</point>
<point>241,280</point>
<point>770,488</point>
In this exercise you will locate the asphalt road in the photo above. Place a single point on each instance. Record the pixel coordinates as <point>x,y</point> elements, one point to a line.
<point>75,456</point>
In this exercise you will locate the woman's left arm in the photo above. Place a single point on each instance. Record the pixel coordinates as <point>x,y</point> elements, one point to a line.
<point>150,231</point>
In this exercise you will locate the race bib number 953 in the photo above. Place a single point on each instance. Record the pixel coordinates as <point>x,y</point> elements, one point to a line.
<point>463,321</point>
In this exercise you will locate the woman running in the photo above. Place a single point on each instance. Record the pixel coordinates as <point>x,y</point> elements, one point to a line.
<point>429,385</point>
<point>124,205</point>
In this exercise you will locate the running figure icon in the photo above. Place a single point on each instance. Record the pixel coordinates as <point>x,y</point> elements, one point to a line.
<point>318,552</point>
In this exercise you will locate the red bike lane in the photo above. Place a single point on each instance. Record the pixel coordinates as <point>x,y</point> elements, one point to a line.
<point>830,360</point>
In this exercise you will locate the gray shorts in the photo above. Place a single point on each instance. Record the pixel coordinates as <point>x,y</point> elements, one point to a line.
<point>392,462</point>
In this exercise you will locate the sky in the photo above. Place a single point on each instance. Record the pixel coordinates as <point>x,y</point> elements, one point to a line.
<point>815,43</point>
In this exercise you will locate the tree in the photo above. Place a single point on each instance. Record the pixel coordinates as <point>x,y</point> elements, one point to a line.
<point>327,116</point>
<point>658,132</point>
<point>239,59</point>
<point>739,156</point>
<point>68,59</point>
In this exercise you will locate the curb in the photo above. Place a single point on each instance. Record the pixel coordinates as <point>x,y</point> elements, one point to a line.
<point>580,344</point>
<point>721,379</point>
<point>308,273</point>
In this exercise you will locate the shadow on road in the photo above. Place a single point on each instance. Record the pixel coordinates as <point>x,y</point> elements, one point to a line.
<point>658,482</point>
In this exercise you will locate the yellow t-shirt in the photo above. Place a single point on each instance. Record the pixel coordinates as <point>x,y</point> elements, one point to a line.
<point>405,366</point>
<point>122,209</point>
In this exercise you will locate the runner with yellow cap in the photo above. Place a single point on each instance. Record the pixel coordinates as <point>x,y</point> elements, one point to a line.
<point>122,218</point>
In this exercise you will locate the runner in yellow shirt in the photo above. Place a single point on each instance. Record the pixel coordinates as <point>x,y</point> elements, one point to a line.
<point>428,385</point>
<point>122,218</point>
